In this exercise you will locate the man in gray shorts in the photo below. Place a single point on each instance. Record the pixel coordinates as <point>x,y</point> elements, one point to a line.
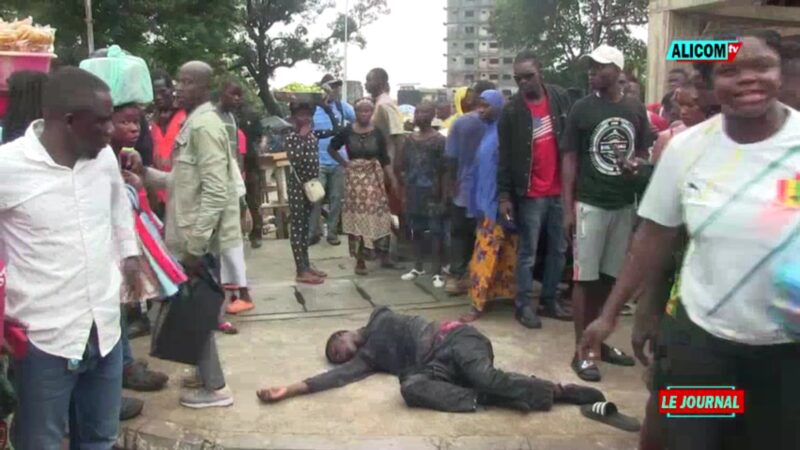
<point>605,131</point>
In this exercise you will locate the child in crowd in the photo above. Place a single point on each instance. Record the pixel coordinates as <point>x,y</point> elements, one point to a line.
<point>422,168</point>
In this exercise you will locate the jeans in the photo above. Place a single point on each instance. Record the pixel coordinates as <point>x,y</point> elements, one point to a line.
<point>127,353</point>
<point>462,240</point>
<point>45,384</point>
<point>535,215</point>
<point>332,178</point>
<point>462,375</point>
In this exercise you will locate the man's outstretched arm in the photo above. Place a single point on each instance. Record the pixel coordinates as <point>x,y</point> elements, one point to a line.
<point>354,370</point>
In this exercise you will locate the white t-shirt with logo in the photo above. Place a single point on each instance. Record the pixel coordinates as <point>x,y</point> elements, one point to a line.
<point>740,205</point>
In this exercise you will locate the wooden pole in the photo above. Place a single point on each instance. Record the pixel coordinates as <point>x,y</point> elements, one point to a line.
<point>89,25</point>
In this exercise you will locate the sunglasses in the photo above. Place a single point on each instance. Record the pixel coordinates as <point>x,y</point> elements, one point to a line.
<point>524,77</point>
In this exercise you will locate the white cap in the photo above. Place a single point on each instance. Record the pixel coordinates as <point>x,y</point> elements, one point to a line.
<point>606,54</point>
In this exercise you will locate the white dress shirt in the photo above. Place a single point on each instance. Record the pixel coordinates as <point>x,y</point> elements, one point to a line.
<point>63,233</point>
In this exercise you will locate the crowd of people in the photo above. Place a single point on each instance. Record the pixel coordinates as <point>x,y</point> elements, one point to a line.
<point>107,206</point>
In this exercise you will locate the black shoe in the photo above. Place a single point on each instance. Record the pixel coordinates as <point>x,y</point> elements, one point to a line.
<point>314,240</point>
<point>138,328</point>
<point>131,408</point>
<point>557,312</point>
<point>334,241</point>
<point>576,394</point>
<point>585,369</point>
<point>528,318</point>
<point>255,244</point>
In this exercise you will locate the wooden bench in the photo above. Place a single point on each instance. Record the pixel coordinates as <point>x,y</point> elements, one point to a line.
<point>277,164</point>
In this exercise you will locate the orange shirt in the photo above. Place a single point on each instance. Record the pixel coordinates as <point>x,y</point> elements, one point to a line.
<point>163,143</point>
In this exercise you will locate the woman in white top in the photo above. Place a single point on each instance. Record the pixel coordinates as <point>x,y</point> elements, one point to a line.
<point>721,180</point>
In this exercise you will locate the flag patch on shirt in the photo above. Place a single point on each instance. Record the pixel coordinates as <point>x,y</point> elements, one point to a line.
<point>789,191</point>
<point>542,128</point>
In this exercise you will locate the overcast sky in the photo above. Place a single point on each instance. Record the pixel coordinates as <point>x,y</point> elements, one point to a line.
<point>408,43</point>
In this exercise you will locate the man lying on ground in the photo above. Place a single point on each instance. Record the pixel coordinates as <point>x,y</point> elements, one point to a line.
<point>446,366</point>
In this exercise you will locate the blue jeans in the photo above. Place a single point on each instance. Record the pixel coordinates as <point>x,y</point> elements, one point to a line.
<point>535,215</point>
<point>45,385</point>
<point>332,178</point>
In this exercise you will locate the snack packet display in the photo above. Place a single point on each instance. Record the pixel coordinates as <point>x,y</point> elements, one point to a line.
<point>26,37</point>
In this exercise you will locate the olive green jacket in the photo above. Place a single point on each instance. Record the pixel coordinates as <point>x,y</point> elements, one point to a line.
<point>203,203</point>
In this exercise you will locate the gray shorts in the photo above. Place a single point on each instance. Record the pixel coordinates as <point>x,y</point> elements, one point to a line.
<point>601,241</point>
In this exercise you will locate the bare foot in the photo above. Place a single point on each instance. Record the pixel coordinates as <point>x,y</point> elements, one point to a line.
<point>471,316</point>
<point>318,273</point>
<point>309,278</point>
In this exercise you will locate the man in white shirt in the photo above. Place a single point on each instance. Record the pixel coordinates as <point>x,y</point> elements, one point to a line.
<point>66,228</point>
<point>731,181</point>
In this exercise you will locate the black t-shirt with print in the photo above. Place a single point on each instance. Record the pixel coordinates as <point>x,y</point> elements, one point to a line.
<point>603,132</point>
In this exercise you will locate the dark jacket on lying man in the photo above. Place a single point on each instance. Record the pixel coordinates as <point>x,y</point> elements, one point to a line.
<point>446,366</point>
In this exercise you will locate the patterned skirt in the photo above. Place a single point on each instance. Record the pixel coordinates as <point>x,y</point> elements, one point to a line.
<point>365,213</point>
<point>492,269</point>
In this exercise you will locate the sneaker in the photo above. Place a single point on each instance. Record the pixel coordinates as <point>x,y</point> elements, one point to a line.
<point>239,306</point>
<point>137,377</point>
<point>412,275</point>
<point>438,281</point>
<point>130,408</point>
<point>203,398</point>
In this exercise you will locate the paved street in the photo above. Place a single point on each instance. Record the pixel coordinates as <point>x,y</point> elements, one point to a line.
<point>282,342</point>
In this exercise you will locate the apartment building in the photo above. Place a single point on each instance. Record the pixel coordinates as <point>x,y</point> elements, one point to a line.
<point>473,53</point>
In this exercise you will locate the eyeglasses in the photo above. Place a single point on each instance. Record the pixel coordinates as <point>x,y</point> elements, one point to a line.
<point>524,77</point>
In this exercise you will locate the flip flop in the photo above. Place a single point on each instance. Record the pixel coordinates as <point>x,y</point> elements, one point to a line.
<point>613,355</point>
<point>586,369</point>
<point>607,413</point>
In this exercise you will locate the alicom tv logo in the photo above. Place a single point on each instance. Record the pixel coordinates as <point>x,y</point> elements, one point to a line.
<point>703,51</point>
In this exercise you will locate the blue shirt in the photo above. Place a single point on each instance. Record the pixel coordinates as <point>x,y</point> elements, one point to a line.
<point>463,140</point>
<point>323,122</point>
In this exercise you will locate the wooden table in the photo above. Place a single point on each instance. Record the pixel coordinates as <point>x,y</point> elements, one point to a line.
<point>278,164</point>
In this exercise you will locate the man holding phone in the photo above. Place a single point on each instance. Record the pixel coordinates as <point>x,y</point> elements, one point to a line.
<point>529,183</point>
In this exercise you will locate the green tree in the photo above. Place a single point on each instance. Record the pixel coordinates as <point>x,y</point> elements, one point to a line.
<point>276,35</point>
<point>561,31</point>
<point>166,33</point>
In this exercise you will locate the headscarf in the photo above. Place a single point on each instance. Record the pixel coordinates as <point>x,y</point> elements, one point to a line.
<point>484,197</point>
<point>458,97</point>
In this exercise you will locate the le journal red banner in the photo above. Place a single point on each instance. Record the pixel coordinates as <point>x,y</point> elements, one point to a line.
<point>687,401</point>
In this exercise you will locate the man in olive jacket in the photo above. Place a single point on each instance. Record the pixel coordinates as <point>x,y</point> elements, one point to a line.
<point>529,183</point>
<point>202,207</point>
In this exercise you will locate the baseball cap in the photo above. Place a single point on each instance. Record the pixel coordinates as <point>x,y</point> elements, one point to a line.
<point>329,80</point>
<point>606,54</point>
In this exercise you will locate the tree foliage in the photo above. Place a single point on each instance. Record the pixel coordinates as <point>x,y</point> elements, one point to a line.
<point>252,38</point>
<point>276,35</point>
<point>166,33</point>
<point>561,31</point>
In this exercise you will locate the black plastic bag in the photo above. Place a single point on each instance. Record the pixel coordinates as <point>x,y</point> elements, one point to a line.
<point>187,320</point>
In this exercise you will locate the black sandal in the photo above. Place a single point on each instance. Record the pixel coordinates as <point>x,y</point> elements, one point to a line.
<point>586,369</point>
<point>607,413</point>
<point>613,355</point>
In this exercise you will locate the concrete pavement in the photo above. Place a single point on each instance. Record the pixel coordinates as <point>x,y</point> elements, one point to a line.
<point>282,342</point>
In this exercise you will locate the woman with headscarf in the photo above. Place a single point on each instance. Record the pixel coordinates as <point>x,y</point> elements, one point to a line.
<point>494,260</point>
<point>462,101</point>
